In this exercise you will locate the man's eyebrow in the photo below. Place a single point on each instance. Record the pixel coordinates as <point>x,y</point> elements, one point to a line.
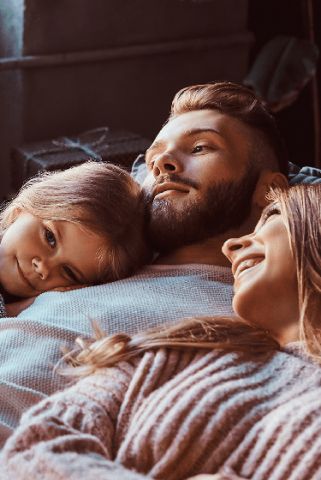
<point>155,146</point>
<point>189,133</point>
<point>195,131</point>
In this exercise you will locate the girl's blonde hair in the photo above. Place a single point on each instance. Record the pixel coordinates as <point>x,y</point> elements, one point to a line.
<point>102,198</point>
<point>300,208</point>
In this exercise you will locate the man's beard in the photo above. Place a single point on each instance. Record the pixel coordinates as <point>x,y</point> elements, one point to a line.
<point>226,205</point>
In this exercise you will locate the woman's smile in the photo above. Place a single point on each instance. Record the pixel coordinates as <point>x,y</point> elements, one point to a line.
<point>265,287</point>
<point>239,267</point>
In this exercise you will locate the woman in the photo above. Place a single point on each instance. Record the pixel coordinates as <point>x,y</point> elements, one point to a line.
<point>228,397</point>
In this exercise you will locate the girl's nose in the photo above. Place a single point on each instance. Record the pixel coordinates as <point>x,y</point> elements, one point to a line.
<point>40,267</point>
<point>232,245</point>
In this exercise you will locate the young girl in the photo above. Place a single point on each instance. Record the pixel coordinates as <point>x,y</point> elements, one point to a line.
<point>211,398</point>
<point>81,226</point>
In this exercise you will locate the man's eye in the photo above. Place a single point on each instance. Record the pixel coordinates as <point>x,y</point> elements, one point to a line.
<point>50,238</point>
<point>70,274</point>
<point>199,148</point>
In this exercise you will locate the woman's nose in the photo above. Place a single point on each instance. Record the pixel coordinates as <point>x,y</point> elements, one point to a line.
<point>232,245</point>
<point>40,267</point>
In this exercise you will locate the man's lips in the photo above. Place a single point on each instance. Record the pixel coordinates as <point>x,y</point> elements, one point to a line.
<point>243,264</point>
<point>166,186</point>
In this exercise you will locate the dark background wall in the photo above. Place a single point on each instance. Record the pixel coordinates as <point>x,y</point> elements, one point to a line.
<point>89,63</point>
<point>267,19</point>
<point>72,65</point>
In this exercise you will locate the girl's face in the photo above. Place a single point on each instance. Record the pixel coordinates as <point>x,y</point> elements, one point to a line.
<point>265,280</point>
<point>38,255</point>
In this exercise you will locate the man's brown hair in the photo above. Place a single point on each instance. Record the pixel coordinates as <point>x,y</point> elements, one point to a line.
<point>237,101</point>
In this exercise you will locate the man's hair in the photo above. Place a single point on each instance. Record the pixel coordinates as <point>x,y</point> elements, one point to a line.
<point>237,101</point>
<point>102,198</point>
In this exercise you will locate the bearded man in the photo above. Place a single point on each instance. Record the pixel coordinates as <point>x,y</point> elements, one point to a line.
<point>209,170</point>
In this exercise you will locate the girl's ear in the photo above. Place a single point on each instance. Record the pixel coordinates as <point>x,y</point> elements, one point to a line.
<point>267,179</point>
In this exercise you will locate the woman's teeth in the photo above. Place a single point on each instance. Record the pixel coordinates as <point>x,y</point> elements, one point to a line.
<point>246,264</point>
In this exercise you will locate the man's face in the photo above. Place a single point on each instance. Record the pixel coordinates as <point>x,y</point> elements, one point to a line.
<point>199,183</point>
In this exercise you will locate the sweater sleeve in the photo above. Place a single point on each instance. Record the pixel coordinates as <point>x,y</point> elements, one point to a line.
<point>70,435</point>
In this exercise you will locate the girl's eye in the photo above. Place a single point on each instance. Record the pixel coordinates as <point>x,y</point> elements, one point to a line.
<point>70,274</point>
<point>50,238</point>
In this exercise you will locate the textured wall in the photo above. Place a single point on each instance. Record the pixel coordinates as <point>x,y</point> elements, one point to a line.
<point>131,90</point>
<point>11,35</point>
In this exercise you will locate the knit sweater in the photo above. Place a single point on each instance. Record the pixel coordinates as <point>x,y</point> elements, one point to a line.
<point>30,344</point>
<point>171,415</point>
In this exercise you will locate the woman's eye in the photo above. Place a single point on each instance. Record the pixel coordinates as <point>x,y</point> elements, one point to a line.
<point>70,274</point>
<point>270,213</point>
<point>50,238</point>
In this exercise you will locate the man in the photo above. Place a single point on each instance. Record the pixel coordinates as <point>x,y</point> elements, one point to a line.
<point>209,170</point>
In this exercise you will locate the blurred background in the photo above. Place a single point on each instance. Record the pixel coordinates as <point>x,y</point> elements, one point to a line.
<point>67,66</point>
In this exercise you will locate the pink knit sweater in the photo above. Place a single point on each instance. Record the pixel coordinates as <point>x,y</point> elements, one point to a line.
<point>171,415</point>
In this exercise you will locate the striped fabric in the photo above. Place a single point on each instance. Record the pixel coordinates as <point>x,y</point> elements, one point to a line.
<point>171,415</point>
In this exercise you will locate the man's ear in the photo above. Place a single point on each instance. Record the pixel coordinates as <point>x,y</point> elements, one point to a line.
<point>267,179</point>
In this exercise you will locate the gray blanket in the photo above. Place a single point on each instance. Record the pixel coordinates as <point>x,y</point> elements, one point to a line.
<point>30,344</point>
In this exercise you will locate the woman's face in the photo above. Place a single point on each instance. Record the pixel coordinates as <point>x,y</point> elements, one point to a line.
<point>265,280</point>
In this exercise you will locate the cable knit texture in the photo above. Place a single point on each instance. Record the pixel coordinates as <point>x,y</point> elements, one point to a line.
<point>30,345</point>
<point>173,414</point>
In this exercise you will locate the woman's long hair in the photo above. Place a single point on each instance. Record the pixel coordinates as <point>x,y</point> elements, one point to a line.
<point>300,208</point>
<point>301,211</point>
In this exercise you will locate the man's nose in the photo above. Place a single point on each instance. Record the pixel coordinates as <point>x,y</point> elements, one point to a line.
<point>41,267</point>
<point>233,245</point>
<point>166,163</point>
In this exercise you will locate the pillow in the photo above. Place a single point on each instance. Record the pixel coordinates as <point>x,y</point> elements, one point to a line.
<point>296,174</point>
<point>139,169</point>
<point>303,174</point>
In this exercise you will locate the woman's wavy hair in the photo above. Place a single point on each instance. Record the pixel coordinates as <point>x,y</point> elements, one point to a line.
<point>300,207</point>
<point>102,198</point>
<point>301,211</point>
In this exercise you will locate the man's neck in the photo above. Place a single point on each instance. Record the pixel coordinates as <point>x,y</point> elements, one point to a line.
<point>208,251</point>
